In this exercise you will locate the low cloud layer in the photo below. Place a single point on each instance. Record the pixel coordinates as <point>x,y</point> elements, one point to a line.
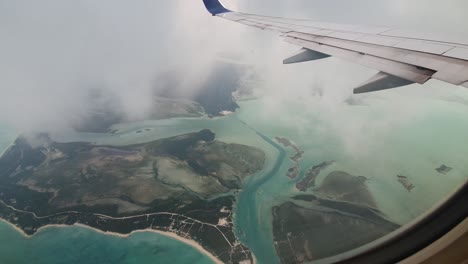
<point>55,55</point>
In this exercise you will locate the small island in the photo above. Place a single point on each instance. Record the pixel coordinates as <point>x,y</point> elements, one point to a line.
<point>405,182</point>
<point>184,185</point>
<point>311,175</point>
<point>444,169</point>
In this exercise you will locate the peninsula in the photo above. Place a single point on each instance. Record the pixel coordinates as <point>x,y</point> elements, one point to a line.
<point>184,185</point>
<point>311,175</point>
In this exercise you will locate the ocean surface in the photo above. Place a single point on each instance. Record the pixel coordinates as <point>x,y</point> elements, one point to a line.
<point>372,138</point>
<point>57,245</point>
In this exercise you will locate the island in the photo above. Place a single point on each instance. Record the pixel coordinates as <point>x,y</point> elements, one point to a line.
<point>311,175</point>
<point>214,95</point>
<point>405,182</point>
<point>444,169</point>
<point>340,216</point>
<point>185,185</point>
<point>293,171</point>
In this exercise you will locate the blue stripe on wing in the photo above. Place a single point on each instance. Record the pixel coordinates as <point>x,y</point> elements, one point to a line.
<point>215,7</point>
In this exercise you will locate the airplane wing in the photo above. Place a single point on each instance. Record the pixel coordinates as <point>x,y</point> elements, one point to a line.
<point>402,56</point>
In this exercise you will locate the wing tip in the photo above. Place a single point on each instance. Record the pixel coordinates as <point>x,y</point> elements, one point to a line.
<point>215,7</point>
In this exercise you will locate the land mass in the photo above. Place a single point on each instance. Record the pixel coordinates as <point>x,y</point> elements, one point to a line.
<point>185,185</point>
<point>405,182</point>
<point>215,95</point>
<point>169,99</point>
<point>311,176</point>
<point>444,169</point>
<point>341,215</point>
<point>101,116</point>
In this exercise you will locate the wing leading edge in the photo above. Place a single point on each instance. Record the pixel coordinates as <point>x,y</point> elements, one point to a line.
<point>401,56</point>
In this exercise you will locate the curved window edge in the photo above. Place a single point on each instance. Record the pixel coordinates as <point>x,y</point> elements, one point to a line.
<point>413,237</point>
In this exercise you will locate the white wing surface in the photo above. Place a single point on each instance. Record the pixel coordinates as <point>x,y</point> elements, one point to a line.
<point>402,56</point>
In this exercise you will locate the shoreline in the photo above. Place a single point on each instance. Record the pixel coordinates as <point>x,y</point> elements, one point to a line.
<point>8,147</point>
<point>189,242</point>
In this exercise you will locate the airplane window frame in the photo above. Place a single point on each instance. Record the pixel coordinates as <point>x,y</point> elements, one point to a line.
<point>413,237</point>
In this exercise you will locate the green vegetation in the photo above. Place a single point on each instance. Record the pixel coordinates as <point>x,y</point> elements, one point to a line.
<point>169,184</point>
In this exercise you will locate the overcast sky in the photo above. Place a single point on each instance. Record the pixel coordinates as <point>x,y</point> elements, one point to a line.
<point>53,52</point>
<point>433,14</point>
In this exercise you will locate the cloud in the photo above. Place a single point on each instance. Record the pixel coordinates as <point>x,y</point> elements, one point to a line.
<point>55,54</point>
<point>321,89</point>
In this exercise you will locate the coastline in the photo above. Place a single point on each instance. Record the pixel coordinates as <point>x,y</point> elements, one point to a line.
<point>191,240</point>
<point>167,234</point>
<point>8,147</point>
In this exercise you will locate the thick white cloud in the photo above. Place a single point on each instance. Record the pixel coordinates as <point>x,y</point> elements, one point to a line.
<point>53,52</point>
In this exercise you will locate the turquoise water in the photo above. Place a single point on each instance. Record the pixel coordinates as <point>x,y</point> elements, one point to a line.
<point>57,245</point>
<point>374,141</point>
<point>378,139</point>
<point>250,227</point>
<point>228,129</point>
